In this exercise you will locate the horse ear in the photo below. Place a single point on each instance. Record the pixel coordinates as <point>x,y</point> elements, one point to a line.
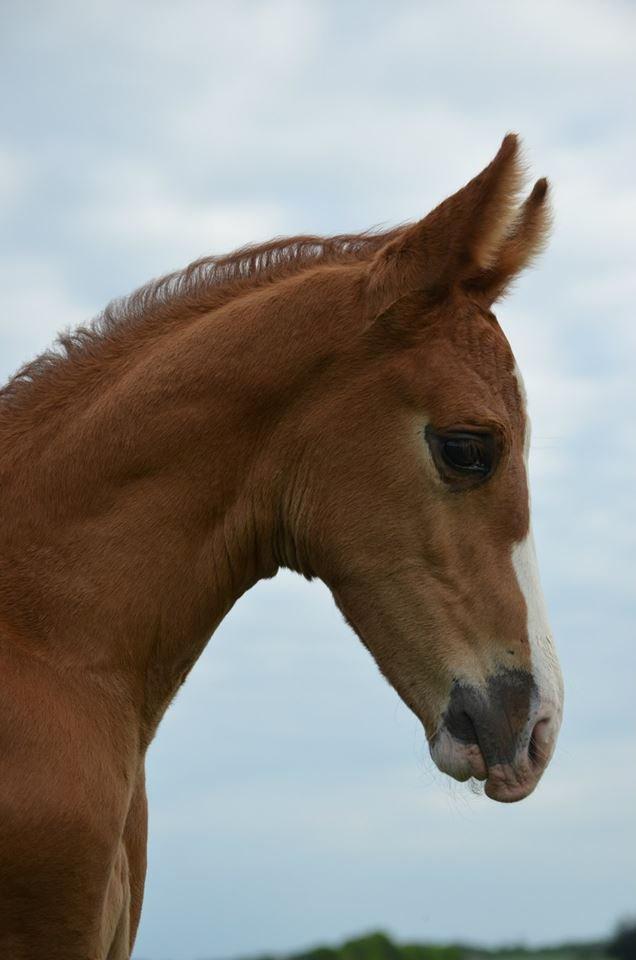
<point>458,240</point>
<point>524,241</point>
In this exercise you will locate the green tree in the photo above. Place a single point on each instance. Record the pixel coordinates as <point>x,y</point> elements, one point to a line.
<point>623,944</point>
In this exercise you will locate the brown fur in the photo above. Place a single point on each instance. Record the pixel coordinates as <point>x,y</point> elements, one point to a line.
<point>252,412</point>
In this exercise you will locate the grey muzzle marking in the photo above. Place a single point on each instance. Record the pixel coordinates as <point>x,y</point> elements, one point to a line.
<point>496,716</point>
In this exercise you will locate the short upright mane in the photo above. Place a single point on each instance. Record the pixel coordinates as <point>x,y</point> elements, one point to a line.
<point>204,285</point>
<point>210,281</point>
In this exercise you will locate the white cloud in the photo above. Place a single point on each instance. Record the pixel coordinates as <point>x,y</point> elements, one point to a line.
<point>15,170</point>
<point>174,230</point>
<point>37,304</point>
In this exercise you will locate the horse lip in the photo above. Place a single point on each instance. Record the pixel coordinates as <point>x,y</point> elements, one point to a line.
<point>458,759</point>
<point>505,785</point>
<point>505,782</point>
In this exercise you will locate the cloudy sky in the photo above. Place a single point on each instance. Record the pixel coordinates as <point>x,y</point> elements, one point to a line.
<point>291,796</point>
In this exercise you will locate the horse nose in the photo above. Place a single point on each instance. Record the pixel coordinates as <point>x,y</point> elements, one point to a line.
<point>494,714</point>
<point>512,781</point>
<point>505,724</point>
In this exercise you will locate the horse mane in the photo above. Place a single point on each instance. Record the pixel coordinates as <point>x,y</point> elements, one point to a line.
<point>203,286</point>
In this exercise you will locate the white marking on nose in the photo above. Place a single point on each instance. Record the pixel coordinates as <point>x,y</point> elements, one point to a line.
<point>545,664</point>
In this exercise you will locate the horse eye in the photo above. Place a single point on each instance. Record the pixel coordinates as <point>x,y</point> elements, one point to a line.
<point>462,457</point>
<point>466,453</point>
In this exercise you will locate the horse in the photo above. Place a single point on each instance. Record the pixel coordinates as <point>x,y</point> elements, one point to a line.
<point>347,408</point>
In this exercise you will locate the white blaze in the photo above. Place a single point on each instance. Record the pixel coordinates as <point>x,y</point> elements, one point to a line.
<point>545,664</point>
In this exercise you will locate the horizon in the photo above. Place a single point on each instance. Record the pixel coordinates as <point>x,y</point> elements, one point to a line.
<point>364,936</point>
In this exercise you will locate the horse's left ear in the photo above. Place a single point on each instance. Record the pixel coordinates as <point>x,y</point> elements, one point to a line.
<point>477,238</point>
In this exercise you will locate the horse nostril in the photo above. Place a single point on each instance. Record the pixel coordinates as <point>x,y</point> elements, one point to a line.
<point>469,730</point>
<point>538,748</point>
<point>533,751</point>
<point>461,725</point>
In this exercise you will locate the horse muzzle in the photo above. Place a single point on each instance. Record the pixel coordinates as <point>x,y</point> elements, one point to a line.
<point>502,732</point>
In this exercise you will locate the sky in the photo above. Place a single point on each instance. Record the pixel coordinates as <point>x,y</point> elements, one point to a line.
<point>292,800</point>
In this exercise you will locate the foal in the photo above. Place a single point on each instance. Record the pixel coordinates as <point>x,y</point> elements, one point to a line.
<point>347,408</point>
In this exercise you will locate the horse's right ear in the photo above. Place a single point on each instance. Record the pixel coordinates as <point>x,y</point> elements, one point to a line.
<point>459,239</point>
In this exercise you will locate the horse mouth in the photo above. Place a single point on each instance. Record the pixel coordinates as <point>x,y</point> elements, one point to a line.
<point>502,732</point>
<point>506,781</point>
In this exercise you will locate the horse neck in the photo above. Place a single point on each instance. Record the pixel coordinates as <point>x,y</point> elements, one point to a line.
<point>139,518</point>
